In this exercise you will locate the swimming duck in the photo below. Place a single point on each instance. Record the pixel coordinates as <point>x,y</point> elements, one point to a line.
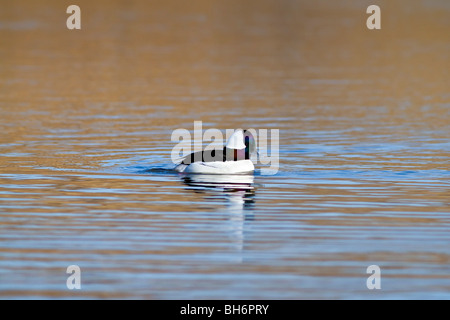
<point>234,158</point>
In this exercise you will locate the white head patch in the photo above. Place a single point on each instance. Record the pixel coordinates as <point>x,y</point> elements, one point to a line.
<point>236,140</point>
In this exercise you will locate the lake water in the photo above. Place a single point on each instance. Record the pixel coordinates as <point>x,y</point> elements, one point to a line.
<point>86,118</point>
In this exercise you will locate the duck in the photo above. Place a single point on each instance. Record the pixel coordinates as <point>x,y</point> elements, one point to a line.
<point>234,158</point>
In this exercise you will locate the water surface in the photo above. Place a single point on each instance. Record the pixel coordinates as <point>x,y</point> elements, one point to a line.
<point>86,122</point>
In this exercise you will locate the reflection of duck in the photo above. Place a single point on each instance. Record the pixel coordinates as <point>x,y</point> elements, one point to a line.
<point>238,188</point>
<point>215,181</point>
<point>234,158</point>
<point>239,192</point>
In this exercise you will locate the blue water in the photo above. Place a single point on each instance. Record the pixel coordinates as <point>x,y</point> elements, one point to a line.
<point>86,175</point>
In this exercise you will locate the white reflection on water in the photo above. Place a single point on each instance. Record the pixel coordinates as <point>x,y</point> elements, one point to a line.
<point>239,191</point>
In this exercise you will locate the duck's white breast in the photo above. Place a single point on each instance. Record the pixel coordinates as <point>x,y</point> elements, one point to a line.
<point>220,167</point>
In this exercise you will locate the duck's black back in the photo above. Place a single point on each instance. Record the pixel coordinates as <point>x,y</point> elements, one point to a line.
<point>224,154</point>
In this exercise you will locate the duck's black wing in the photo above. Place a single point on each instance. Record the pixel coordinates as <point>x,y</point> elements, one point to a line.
<point>224,154</point>
<point>205,156</point>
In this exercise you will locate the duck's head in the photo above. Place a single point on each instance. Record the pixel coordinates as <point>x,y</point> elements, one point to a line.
<point>243,142</point>
<point>250,142</point>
